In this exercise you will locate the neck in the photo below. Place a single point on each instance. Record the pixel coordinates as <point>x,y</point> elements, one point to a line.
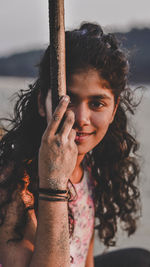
<point>78,170</point>
<point>79,160</point>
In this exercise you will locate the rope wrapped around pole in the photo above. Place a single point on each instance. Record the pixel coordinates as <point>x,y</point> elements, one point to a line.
<point>57,51</point>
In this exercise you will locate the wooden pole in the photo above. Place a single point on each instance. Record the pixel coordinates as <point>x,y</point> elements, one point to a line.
<point>57,50</point>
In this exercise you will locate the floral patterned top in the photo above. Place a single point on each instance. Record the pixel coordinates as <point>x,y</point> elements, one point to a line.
<point>83,212</point>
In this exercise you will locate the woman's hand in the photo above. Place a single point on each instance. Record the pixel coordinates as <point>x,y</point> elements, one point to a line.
<point>58,151</point>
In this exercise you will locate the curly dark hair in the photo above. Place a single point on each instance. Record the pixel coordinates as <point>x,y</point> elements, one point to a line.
<point>113,162</point>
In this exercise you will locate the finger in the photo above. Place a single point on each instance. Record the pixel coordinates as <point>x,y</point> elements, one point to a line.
<point>57,116</point>
<point>68,124</point>
<point>72,135</point>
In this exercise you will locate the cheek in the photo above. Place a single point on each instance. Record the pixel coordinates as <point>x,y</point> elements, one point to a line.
<point>101,120</point>
<point>101,123</point>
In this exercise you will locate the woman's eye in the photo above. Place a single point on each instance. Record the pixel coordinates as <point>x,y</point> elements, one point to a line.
<point>96,104</point>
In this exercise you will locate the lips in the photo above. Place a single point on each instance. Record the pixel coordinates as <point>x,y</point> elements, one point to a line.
<point>82,136</point>
<point>83,133</point>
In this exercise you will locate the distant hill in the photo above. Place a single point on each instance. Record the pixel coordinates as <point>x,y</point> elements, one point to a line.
<point>137,41</point>
<point>21,64</point>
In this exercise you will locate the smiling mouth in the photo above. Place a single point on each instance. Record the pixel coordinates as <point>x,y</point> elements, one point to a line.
<point>83,134</point>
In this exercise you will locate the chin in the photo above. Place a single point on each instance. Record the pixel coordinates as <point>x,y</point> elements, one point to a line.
<point>83,150</point>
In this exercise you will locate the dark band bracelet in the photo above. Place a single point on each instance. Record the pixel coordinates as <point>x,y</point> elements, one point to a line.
<point>52,191</point>
<point>54,195</point>
<point>53,199</point>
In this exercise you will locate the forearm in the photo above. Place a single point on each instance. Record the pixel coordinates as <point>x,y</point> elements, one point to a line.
<point>57,160</point>
<point>52,237</point>
<point>90,257</point>
<point>90,263</point>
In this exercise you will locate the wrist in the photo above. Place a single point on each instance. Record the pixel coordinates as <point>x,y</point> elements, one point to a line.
<point>53,195</point>
<point>51,183</point>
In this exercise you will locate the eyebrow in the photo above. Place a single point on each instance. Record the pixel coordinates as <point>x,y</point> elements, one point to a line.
<point>97,96</point>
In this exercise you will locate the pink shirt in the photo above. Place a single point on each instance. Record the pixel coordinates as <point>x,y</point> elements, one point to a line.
<point>83,211</point>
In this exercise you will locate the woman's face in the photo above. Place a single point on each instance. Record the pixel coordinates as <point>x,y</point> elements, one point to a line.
<point>93,105</point>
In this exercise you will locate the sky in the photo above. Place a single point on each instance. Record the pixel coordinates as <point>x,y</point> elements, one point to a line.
<point>24,23</point>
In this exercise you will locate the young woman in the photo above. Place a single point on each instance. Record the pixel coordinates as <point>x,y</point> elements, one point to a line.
<point>83,169</point>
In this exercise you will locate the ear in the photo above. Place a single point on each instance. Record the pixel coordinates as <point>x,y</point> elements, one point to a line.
<point>41,108</point>
<point>115,109</point>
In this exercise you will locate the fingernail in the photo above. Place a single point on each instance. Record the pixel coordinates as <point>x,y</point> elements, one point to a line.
<point>66,98</point>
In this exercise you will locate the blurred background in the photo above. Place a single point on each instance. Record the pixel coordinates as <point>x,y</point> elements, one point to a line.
<point>24,34</point>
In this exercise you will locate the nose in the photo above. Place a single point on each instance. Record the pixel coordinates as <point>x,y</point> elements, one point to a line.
<point>82,115</point>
